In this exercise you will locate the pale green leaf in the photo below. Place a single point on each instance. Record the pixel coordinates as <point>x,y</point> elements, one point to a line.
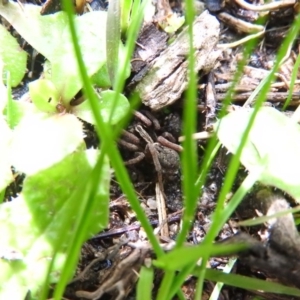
<point>13,57</point>
<point>3,90</point>
<point>273,143</point>
<point>41,140</point>
<point>44,95</point>
<point>30,226</point>
<point>91,39</point>
<point>5,163</point>
<point>37,30</point>
<point>19,109</point>
<point>50,36</point>
<point>83,111</point>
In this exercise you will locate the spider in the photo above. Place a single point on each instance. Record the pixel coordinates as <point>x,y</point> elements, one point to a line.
<point>163,152</point>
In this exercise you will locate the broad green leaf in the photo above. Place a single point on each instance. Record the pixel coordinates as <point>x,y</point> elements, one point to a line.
<point>13,110</point>
<point>13,57</point>
<point>106,102</point>
<point>91,38</point>
<point>50,36</point>
<point>83,111</point>
<point>19,109</point>
<point>5,164</point>
<point>274,142</point>
<point>30,226</point>
<point>37,30</point>
<point>41,140</point>
<point>101,78</point>
<point>44,95</point>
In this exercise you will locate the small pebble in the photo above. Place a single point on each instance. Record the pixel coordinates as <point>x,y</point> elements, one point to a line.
<point>152,204</point>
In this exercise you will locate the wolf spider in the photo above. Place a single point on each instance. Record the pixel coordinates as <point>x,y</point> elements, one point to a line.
<point>163,152</point>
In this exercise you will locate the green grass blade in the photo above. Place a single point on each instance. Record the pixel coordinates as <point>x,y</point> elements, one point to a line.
<point>250,283</point>
<point>113,35</point>
<point>144,286</point>
<point>264,219</point>
<point>218,287</point>
<point>126,6</point>
<point>179,258</point>
<point>293,79</point>
<point>189,157</point>
<point>9,106</point>
<point>180,278</point>
<point>164,289</point>
<point>211,152</point>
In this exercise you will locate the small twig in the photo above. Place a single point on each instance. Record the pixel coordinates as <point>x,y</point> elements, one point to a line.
<point>118,231</point>
<point>161,210</point>
<point>211,102</point>
<point>270,6</point>
<point>283,78</point>
<point>241,41</point>
<point>166,221</point>
<point>283,84</point>
<point>272,97</point>
<point>240,25</point>
<point>204,135</point>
